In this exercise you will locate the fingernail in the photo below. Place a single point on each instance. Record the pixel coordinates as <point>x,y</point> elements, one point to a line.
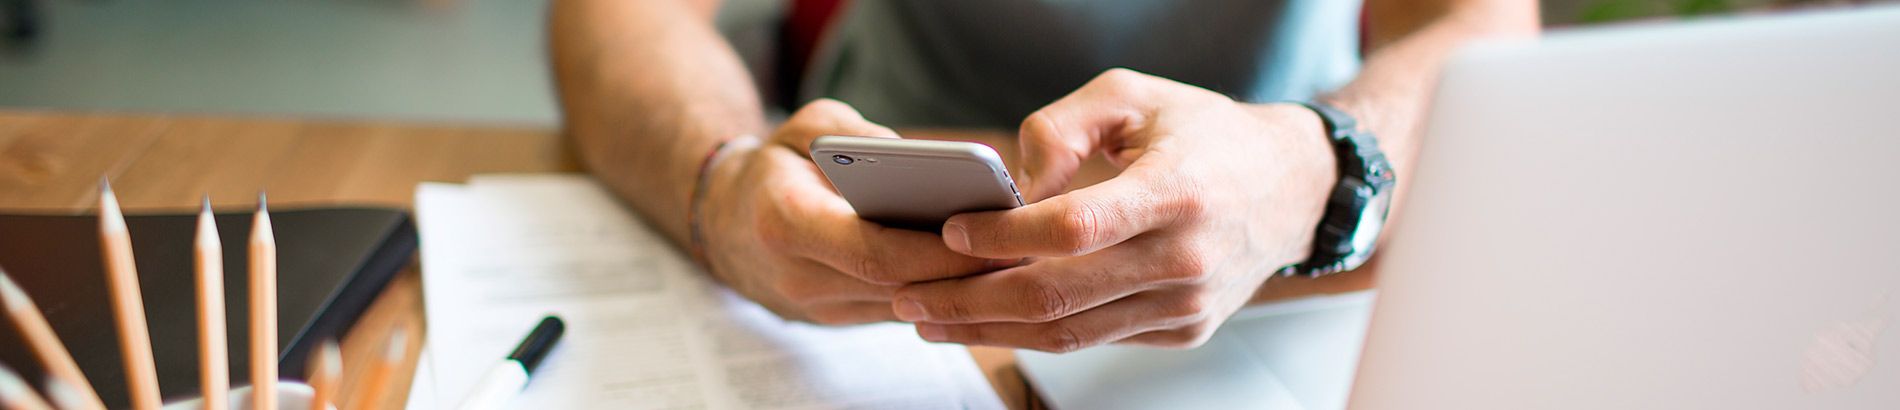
<point>908,310</point>
<point>930,332</point>
<point>956,238</point>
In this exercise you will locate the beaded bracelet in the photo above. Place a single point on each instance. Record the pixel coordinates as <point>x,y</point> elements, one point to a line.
<point>697,240</point>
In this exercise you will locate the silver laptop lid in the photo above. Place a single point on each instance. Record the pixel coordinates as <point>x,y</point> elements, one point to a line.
<point>1685,216</point>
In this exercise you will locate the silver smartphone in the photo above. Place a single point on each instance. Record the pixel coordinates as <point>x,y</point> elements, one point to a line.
<point>915,184</point>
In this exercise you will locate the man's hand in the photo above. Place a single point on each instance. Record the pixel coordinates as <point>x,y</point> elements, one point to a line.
<point>776,231</point>
<point>1214,195</point>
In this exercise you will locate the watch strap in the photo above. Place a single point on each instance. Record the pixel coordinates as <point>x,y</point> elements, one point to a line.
<point>1347,231</point>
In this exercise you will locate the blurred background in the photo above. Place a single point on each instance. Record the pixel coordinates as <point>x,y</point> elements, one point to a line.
<point>419,60</point>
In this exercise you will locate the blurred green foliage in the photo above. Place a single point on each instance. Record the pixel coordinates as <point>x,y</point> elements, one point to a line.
<point>1615,10</point>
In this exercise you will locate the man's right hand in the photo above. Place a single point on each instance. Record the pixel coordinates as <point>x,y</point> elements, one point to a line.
<point>776,231</point>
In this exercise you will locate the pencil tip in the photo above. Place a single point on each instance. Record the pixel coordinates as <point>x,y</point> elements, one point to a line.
<point>105,184</point>
<point>64,395</point>
<point>398,344</point>
<point>11,382</point>
<point>262,202</point>
<point>109,213</point>
<point>204,204</point>
<point>11,296</point>
<point>9,292</point>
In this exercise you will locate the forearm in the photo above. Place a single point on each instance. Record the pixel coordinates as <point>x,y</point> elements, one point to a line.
<point>1410,42</point>
<point>647,89</point>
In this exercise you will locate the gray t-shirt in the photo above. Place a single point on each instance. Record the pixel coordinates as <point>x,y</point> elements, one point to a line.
<point>989,63</point>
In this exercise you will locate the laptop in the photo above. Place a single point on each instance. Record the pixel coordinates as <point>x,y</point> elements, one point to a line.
<point>1682,215</point>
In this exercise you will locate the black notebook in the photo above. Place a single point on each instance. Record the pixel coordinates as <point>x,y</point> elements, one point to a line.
<point>331,264</point>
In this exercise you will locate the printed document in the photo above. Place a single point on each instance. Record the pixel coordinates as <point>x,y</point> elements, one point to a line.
<point>645,328</point>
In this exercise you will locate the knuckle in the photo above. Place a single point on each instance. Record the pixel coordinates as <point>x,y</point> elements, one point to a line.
<point>1119,78</point>
<point>1194,335</point>
<point>945,308</point>
<point>793,290</point>
<point>1183,338</point>
<point>951,309</point>
<point>1172,339</point>
<point>1186,205</point>
<point>1048,300</point>
<point>1078,228</point>
<point>1193,308</point>
<point>970,334</point>
<point>785,312</point>
<point>1184,266</point>
<point>1060,339</point>
<point>821,107</point>
<point>872,269</point>
<point>772,235</point>
<point>1031,122</point>
<point>1039,124</point>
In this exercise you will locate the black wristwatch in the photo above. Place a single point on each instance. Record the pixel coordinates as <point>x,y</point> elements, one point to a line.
<point>1356,211</point>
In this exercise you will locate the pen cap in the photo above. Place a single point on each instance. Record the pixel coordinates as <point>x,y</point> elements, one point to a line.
<point>539,342</point>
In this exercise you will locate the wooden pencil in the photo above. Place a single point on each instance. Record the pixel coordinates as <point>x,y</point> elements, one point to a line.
<point>15,394</point>
<point>370,391</point>
<point>326,372</point>
<point>263,258</point>
<point>68,396</point>
<point>135,341</point>
<point>32,325</point>
<point>213,354</point>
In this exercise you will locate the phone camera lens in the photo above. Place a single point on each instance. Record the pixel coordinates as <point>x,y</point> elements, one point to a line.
<point>842,160</point>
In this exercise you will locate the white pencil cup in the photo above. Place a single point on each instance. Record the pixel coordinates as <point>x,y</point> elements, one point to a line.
<point>290,396</point>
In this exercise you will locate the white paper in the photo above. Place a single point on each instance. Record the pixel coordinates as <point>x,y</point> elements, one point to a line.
<point>645,328</point>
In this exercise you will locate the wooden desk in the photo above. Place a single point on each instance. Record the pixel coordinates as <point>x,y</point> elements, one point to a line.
<point>51,162</point>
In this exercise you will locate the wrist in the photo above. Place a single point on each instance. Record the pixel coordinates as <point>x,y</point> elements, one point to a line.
<point>1356,206</point>
<point>1301,137</point>
<point>721,161</point>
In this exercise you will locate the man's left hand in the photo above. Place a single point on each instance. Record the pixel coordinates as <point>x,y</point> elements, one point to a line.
<point>1214,195</point>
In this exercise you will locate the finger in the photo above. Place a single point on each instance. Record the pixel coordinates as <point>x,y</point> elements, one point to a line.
<point>1039,292</point>
<point>826,117</point>
<point>1056,139</point>
<point>1075,223</point>
<point>1050,154</point>
<point>883,255</point>
<point>1106,324</point>
<point>850,313</point>
<point>1186,337</point>
<point>810,282</point>
<point>823,227</point>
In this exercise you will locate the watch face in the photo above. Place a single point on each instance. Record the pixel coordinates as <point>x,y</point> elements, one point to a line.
<point>1371,220</point>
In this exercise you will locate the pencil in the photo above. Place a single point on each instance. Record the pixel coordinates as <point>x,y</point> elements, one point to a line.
<point>375,384</point>
<point>68,396</point>
<point>213,356</point>
<point>122,277</point>
<point>263,309</point>
<point>39,335</point>
<point>326,372</point>
<point>15,394</point>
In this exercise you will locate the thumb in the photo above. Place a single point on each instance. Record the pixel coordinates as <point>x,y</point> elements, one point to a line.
<point>1058,138</point>
<point>826,117</point>
<point>1050,155</point>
